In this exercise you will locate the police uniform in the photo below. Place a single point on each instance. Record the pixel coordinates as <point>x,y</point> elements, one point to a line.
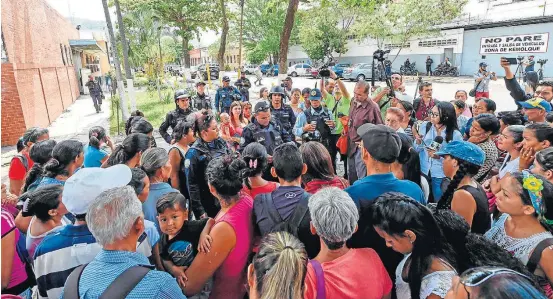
<point>225,96</point>
<point>244,85</point>
<point>285,115</point>
<point>319,116</point>
<point>96,94</point>
<point>196,160</point>
<point>269,136</point>
<point>173,117</point>
<point>201,101</point>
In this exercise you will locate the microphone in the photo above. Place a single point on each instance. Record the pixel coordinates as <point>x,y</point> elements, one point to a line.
<point>436,144</point>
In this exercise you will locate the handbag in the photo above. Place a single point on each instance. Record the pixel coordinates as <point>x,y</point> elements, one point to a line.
<point>472,92</point>
<point>342,144</point>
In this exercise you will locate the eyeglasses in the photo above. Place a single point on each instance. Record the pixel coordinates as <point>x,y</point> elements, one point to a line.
<point>433,114</point>
<point>476,276</point>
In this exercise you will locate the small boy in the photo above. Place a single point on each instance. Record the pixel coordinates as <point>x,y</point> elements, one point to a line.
<point>181,239</point>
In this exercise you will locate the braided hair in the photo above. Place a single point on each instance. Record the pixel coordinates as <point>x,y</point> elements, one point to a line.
<point>465,169</point>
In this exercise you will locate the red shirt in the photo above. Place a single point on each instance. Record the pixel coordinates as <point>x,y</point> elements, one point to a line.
<point>17,170</point>
<point>357,274</point>
<point>267,188</point>
<point>227,128</point>
<point>422,111</point>
<point>316,185</point>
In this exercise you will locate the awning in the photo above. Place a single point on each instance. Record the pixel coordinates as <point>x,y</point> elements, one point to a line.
<point>86,45</point>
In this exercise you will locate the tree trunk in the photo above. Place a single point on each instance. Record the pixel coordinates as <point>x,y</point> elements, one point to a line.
<point>128,73</point>
<point>285,37</point>
<point>120,86</point>
<point>185,54</point>
<point>224,33</point>
<point>241,34</point>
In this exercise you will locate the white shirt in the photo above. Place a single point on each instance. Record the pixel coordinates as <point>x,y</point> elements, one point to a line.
<point>508,166</point>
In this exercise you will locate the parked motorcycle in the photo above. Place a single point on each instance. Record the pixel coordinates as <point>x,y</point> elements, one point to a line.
<point>409,71</point>
<point>444,70</point>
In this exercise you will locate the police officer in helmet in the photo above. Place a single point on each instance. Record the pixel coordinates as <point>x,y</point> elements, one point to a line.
<point>268,132</point>
<point>226,95</point>
<point>280,111</point>
<point>201,101</point>
<point>244,85</point>
<point>181,112</point>
<point>316,122</point>
<point>208,146</point>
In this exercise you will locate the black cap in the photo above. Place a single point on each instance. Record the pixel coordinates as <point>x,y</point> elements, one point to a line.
<point>382,142</point>
<point>200,83</point>
<point>261,106</point>
<point>226,79</point>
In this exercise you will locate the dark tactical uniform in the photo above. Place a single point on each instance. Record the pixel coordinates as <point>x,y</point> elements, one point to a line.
<point>201,101</point>
<point>322,131</point>
<point>95,93</point>
<point>173,117</point>
<point>195,163</point>
<point>224,98</point>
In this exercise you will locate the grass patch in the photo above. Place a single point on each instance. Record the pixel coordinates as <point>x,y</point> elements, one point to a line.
<point>148,102</point>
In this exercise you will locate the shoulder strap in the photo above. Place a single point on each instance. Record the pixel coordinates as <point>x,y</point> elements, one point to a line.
<point>125,282</point>
<point>300,211</point>
<point>536,254</point>
<point>269,206</point>
<point>182,153</point>
<point>23,160</point>
<point>71,289</point>
<point>320,276</point>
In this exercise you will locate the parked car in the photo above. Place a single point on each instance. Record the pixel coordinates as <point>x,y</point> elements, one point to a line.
<point>300,69</point>
<point>360,72</point>
<point>314,72</point>
<point>340,67</point>
<point>249,69</point>
<point>265,67</point>
<point>213,71</point>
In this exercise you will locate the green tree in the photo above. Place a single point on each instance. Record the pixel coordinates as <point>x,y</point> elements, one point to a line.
<point>325,30</point>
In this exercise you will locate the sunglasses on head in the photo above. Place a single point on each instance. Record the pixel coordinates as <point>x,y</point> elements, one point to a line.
<point>476,276</point>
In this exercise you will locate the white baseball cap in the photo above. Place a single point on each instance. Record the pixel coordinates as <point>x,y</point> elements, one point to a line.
<point>82,188</point>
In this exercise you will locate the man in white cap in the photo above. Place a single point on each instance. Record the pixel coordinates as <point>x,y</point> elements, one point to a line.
<point>74,245</point>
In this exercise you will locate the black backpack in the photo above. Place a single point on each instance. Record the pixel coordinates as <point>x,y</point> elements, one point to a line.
<point>292,224</point>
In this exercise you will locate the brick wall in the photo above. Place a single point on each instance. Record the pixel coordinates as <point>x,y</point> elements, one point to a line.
<point>13,124</point>
<point>40,86</point>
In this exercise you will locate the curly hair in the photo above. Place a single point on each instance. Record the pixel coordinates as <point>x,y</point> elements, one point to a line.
<point>225,174</point>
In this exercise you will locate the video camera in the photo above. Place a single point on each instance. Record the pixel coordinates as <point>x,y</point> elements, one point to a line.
<point>520,58</point>
<point>379,54</point>
<point>542,61</point>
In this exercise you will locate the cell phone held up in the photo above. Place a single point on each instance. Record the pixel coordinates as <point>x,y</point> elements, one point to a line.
<point>511,61</point>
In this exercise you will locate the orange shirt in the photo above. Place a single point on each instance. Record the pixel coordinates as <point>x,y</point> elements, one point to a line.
<point>357,274</point>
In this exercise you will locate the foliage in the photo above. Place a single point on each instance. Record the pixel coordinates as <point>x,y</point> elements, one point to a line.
<point>325,30</point>
<point>399,21</point>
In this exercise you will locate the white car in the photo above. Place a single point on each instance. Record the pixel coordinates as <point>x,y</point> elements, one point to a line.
<point>249,69</point>
<point>300,69</point>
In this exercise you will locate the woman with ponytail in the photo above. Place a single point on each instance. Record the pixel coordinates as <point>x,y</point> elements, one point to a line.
<point>408,166</point>
<point>278,269</point>
<point>40,153</point>
<point>21,163</point>
<point>464,195</point>
<point>255,157</point>
<point>409,228</point>
<point>129,151</point>
<point>67,156</point>
<point>94,156</point>
<point>47,210</point>
<point>526,226</point>
<point>320,172</point>
<point>232,234</point>
<point>183,135</point>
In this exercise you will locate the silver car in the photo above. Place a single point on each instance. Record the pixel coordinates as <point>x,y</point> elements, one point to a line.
<point>360,72</point>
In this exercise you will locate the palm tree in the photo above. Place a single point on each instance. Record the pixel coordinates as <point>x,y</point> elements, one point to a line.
<point>120,87</point>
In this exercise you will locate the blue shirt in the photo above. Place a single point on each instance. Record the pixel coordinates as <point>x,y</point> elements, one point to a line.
<point>372,186</point>
<point>301,121</point>
<point>45,181</point>
<point>109,264</point>
<point>157,190</point>
<point>428,164</point>
<point>93,156</point>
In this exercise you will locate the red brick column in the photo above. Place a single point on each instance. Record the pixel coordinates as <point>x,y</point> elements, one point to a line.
<point>13,122</point>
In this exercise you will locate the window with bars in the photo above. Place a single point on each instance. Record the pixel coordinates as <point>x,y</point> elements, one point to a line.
<point>397,46</point>
<point>438,43</point>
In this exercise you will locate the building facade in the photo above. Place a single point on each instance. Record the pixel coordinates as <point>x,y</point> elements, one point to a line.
<point>38,75</point>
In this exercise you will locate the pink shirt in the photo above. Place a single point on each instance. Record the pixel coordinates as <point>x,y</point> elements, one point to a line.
<point>357,274</point>
<point>230,277</point>
<point>18,268</point>
<point>467,112</point>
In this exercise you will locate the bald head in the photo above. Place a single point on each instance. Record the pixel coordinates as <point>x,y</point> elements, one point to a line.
<point>361,91</point>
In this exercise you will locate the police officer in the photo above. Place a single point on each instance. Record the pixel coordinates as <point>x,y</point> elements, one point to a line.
<point>95,93</point>
<point>201,101</point>
<point>269,132</point>
<point>207,146</point>
<point>181,112</point>
<point>280,111</point>
<point>315,123</point>
<point>226,95</point>
<point>244,85</point>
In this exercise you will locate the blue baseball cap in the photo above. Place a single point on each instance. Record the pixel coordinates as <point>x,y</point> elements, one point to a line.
<point>315,94</point>
<point>536,103</point>
<point>464,150</point>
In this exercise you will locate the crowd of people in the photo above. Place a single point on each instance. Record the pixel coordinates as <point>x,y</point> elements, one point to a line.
<point>439,199</point>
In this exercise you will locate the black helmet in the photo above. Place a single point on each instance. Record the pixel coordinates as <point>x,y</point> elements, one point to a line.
<point>276,90</point>
<point>181,93</point>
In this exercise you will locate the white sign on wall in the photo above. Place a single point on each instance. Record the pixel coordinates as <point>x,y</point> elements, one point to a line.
<point>523,43</point>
